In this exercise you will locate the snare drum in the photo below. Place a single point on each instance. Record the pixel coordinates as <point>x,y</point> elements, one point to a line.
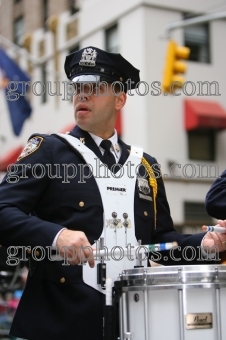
<point>179,303</point>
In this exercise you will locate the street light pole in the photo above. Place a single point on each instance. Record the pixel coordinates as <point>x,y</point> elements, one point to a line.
<point>193,21</point>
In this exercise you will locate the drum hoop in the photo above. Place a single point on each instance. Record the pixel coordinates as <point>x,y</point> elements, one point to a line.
<point>211,276</point>
<point>178,287</point>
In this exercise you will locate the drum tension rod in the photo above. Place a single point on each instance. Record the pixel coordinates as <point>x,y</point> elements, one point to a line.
<point>139,258</point>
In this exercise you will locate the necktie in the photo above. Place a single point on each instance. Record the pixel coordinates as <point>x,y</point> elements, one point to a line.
<point>108,157</point>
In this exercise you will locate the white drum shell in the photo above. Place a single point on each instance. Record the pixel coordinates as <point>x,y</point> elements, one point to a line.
<point>155,302</point>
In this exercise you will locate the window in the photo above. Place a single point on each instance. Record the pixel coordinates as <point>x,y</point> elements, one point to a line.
<point>201,144</point>
<point>45,13</point>
<point>73,6</point>
<point>195,213</point>
<point>18,30</point>
<point>196,37</point>
<point>195,216</point>
<point>111,39</point>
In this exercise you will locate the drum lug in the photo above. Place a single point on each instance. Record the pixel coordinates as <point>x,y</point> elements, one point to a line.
<point>179,275</point>
<point>216,273</point>
<point>128,336</point>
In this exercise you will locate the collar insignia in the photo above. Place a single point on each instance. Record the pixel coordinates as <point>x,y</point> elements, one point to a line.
<point>82,140</point>
<point>89,56</point>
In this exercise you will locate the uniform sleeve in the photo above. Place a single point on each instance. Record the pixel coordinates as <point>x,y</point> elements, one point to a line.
<point>216,198</point>
<point>20,190</point>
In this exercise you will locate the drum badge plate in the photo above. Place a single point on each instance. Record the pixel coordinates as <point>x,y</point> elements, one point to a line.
<point>199,321</point>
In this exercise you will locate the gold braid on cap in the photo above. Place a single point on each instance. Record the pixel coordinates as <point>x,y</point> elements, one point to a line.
<point>153,183</point>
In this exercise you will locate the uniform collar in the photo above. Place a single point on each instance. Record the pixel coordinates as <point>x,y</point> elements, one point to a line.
<point>114,140</point>
<point>85,138</point>
<point>89,142</point>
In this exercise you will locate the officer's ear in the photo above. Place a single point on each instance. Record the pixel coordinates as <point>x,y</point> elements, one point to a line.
<point>120,100</point>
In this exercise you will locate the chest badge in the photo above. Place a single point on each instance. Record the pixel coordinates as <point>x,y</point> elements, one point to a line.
<point>143,186</point>
<point>144,189</point>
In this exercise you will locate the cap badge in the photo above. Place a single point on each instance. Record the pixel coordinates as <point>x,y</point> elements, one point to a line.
<point>89,56</point>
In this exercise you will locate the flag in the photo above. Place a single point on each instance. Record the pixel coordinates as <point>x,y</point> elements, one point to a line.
<point>20,108</point>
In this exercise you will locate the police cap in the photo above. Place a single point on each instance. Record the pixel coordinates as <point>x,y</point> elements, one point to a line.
<point>92,64</point>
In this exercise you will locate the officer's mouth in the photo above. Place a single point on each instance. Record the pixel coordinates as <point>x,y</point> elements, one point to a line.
<point>82,109</point>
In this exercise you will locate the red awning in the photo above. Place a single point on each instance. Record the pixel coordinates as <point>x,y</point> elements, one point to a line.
<point>204,114</point>
<point>10,157</point>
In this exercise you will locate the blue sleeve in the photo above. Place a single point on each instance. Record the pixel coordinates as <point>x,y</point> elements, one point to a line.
<point>20,191</point>
<point>216,198</point>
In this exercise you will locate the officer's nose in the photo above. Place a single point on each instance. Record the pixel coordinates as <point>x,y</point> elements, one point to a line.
<point>82,97</point>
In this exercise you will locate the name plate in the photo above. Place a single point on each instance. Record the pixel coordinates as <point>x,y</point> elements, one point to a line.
<point>199,321</point>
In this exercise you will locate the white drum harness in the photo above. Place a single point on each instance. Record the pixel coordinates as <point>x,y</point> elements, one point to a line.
<point>117,194</point>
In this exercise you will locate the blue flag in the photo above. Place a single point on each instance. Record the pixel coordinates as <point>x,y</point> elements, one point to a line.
<point>19,107</point>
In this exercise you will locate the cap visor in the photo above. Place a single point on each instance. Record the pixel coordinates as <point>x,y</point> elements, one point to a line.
<point>88,78</point>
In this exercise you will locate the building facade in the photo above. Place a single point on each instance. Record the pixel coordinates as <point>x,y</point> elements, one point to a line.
<point>185,131</point>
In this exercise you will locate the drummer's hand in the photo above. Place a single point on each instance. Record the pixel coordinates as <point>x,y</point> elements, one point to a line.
<point>214,239</point>
<point>75,247</point>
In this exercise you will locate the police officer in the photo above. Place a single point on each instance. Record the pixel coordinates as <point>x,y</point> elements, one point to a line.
<point>49,199</point>
<point>216,203</point>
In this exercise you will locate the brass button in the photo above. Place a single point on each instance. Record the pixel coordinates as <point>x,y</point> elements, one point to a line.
<point>145,213</point>
<point>81,204</point>
<point>28,251</point>
<point>37,253</point>
<point>62,280</point>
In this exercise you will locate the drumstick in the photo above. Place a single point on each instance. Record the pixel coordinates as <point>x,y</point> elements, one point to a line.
<point>140,249</point>
<point>160,246</point>
<point>217,229</point>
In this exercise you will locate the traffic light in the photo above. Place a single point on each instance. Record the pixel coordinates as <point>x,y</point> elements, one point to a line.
<point>173,66</point>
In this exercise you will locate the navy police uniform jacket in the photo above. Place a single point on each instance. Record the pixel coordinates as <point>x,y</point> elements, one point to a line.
<point>56,304</point>
<point>216,198</point>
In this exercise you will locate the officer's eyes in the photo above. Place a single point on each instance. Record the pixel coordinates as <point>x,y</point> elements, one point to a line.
<point>89,89</point>
<point>99,89</point>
